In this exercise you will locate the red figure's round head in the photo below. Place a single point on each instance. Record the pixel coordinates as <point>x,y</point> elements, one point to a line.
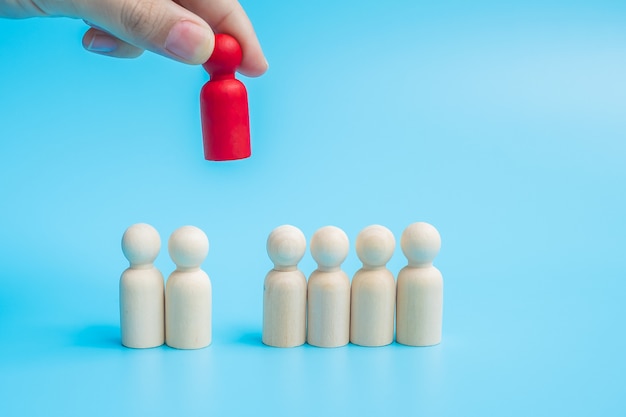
<point>226,56</point>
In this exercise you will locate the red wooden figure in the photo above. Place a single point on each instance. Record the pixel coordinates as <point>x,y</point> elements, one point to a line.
<point>224,104</point>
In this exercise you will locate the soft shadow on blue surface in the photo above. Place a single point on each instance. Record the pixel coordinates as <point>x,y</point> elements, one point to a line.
<point>252,338</point>
<point>237,335</point>
<point>99,336</point>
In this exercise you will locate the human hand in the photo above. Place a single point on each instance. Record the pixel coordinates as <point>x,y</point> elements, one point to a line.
<point>178,29</point>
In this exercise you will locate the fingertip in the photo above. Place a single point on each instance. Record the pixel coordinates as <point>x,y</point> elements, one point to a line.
<point>254,63</point>
<point>97,42</point>
<point>190,42</point>
<point>103,43</point>
<point>229,17</point>
<point>254,67</point>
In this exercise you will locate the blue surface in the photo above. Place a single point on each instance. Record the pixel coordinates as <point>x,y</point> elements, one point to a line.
<point>504,126</point>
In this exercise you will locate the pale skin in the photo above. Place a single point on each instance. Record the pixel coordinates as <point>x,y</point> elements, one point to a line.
<point>179,29</point>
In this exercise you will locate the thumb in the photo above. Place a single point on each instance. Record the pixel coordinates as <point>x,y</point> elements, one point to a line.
<point>160,26</point>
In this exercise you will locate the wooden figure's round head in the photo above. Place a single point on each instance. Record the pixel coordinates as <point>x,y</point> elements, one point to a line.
<point>329,247</point>
<point>420,243</point>
<point>188,246</point>
<point>141,244</point>
<point>226,56</point>
<point>286,246</point>
<point>375,245</point>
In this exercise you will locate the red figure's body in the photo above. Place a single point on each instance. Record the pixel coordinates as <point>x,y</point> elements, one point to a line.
<point>224,104</point>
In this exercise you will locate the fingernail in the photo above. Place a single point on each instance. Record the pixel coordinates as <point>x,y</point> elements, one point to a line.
<point>101,44</point>
<point>188,41</point>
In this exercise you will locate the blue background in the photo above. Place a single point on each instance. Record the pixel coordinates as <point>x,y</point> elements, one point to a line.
<point>502,125</point>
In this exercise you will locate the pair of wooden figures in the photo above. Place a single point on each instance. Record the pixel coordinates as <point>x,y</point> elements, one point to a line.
<point>330,312</point>
<point>151,313</point>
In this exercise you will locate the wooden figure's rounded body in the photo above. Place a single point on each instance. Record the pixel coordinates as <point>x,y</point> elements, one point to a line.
<point>373,307</point>
<point>420,306</point>
<point>373,300</point>
<point>284,289</point>
<point>188,310</point>
<point>142,308</point>
<point>284,308</point>
<point>225,121</point>
<point>419,311</point>
<point>329,309</point>
<point>188,291</point>
<point>142,304</point>
<point>329,290</point>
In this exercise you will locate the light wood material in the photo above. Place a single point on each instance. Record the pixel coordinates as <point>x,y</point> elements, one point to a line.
<point>373,299</point>
<point>420,288</point>
<point>142,303</point>
<point>188,291</point>
<point>329,290</point>
<point>284,289</point>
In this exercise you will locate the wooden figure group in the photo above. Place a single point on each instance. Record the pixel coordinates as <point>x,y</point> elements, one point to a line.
<point>180,313</point>
<point>330,312</point>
